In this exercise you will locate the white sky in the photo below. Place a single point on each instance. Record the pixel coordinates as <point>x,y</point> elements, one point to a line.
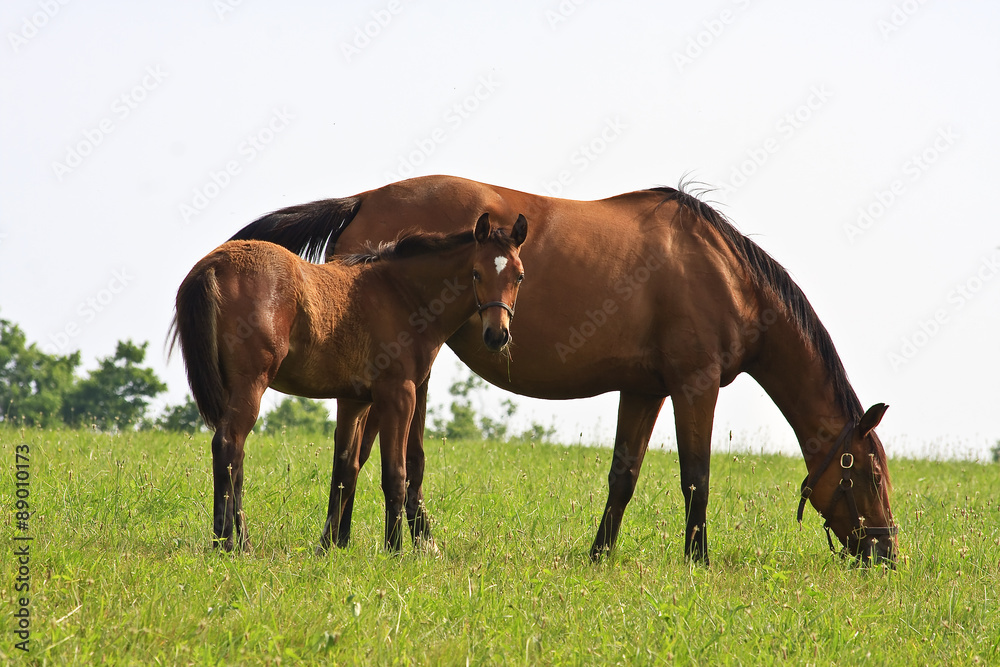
<point>116,115</point>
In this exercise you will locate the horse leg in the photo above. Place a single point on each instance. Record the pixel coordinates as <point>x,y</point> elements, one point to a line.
<point>693,415</point>
<point>396,405</point>
<point>416,511</point>
<point>224,455</point>
<point>227,469</point>
<point>366,432</point>
<point>344,477</point>
<point>636,417</point>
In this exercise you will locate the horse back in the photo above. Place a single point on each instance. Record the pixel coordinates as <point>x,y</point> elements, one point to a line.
<point>635,282</point>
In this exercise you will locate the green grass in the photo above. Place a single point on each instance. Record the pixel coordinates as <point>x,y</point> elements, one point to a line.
<point>122,571</point>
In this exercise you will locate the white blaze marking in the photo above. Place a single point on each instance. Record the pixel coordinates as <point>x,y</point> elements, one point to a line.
<point>501,262</point>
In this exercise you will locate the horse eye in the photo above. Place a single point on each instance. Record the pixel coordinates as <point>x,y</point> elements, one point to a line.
<point>475,275</point>
<point>520,278</point>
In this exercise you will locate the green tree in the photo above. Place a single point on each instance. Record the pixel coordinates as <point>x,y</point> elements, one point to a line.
<point>299,414</point>
<point>117,394</point>
<point>183,418</point>
<point>466,425</point>
<point>537,433</point>
<point>496,429</point>
<point>462,425</point>
<point>32,384</point>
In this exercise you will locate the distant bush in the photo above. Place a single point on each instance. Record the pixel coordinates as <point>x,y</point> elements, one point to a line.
<point>183,418</point>
<point>296,413</point>
<point>465,424</point>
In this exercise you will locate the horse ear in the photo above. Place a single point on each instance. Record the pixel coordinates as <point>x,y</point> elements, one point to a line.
<point>520,231</point>
<point>871,419</point>
<point>483,228</point>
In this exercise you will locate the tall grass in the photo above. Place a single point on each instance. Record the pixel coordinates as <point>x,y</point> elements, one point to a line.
<point>122,570</point>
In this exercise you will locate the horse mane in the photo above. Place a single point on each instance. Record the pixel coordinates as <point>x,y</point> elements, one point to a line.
<point>415,243</point>
<point>769,276</point>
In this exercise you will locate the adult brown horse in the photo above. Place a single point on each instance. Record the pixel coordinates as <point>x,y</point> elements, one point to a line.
<point>652,294</point>
<point>364,329</point>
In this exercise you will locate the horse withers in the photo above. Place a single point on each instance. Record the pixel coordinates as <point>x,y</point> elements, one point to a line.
<point>675,302</point>
<point>364,329</point>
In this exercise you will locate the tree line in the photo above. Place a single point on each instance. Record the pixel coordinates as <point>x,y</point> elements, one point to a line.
<point>44,390</point>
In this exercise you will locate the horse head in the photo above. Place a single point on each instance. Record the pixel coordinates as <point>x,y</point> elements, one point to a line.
<point>850,488</point>
<point>497,273</point>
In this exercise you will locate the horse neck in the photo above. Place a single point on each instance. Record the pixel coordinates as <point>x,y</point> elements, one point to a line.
<point>793,373</point>
<point>437,287</point>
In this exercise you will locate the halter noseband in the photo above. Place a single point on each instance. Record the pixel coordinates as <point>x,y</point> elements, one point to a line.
<point>845,489</point>
<point>480,307</point>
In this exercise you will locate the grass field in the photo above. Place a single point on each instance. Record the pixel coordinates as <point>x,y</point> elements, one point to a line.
<point>121,570</point>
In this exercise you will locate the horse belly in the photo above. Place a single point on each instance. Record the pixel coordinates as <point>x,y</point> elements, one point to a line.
<point>301,376</point>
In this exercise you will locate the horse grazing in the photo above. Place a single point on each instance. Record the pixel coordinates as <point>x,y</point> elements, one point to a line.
<point>364,329</point>
<point>651,294</point>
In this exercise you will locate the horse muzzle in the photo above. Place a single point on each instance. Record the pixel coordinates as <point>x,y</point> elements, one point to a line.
<point>496,338</point>
<point>877,547</point>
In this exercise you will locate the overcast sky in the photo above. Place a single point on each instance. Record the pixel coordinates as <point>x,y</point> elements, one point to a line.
<point>857,142</point>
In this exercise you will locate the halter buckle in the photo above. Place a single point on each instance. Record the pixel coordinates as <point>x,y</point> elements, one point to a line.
<point>846,460</point>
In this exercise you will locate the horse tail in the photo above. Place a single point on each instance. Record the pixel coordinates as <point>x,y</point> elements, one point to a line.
<point>195,325</point>
<point>310,230</point>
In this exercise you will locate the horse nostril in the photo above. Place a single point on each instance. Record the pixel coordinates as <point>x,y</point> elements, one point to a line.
<point>496,339</point>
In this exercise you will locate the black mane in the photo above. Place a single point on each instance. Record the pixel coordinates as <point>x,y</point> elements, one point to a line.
<point>771,277</point>
<point>415,243</point>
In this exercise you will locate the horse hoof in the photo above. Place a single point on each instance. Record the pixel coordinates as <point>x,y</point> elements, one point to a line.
<point>221,544</point>
<point>599,554</point>
<point>426,546</point>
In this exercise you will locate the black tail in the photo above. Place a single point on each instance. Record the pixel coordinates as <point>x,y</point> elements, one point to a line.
<point>195,322</point>
<point>309,230</point>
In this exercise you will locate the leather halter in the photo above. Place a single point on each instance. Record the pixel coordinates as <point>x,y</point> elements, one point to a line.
<point>480,307</point>
<point>845,489</point>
